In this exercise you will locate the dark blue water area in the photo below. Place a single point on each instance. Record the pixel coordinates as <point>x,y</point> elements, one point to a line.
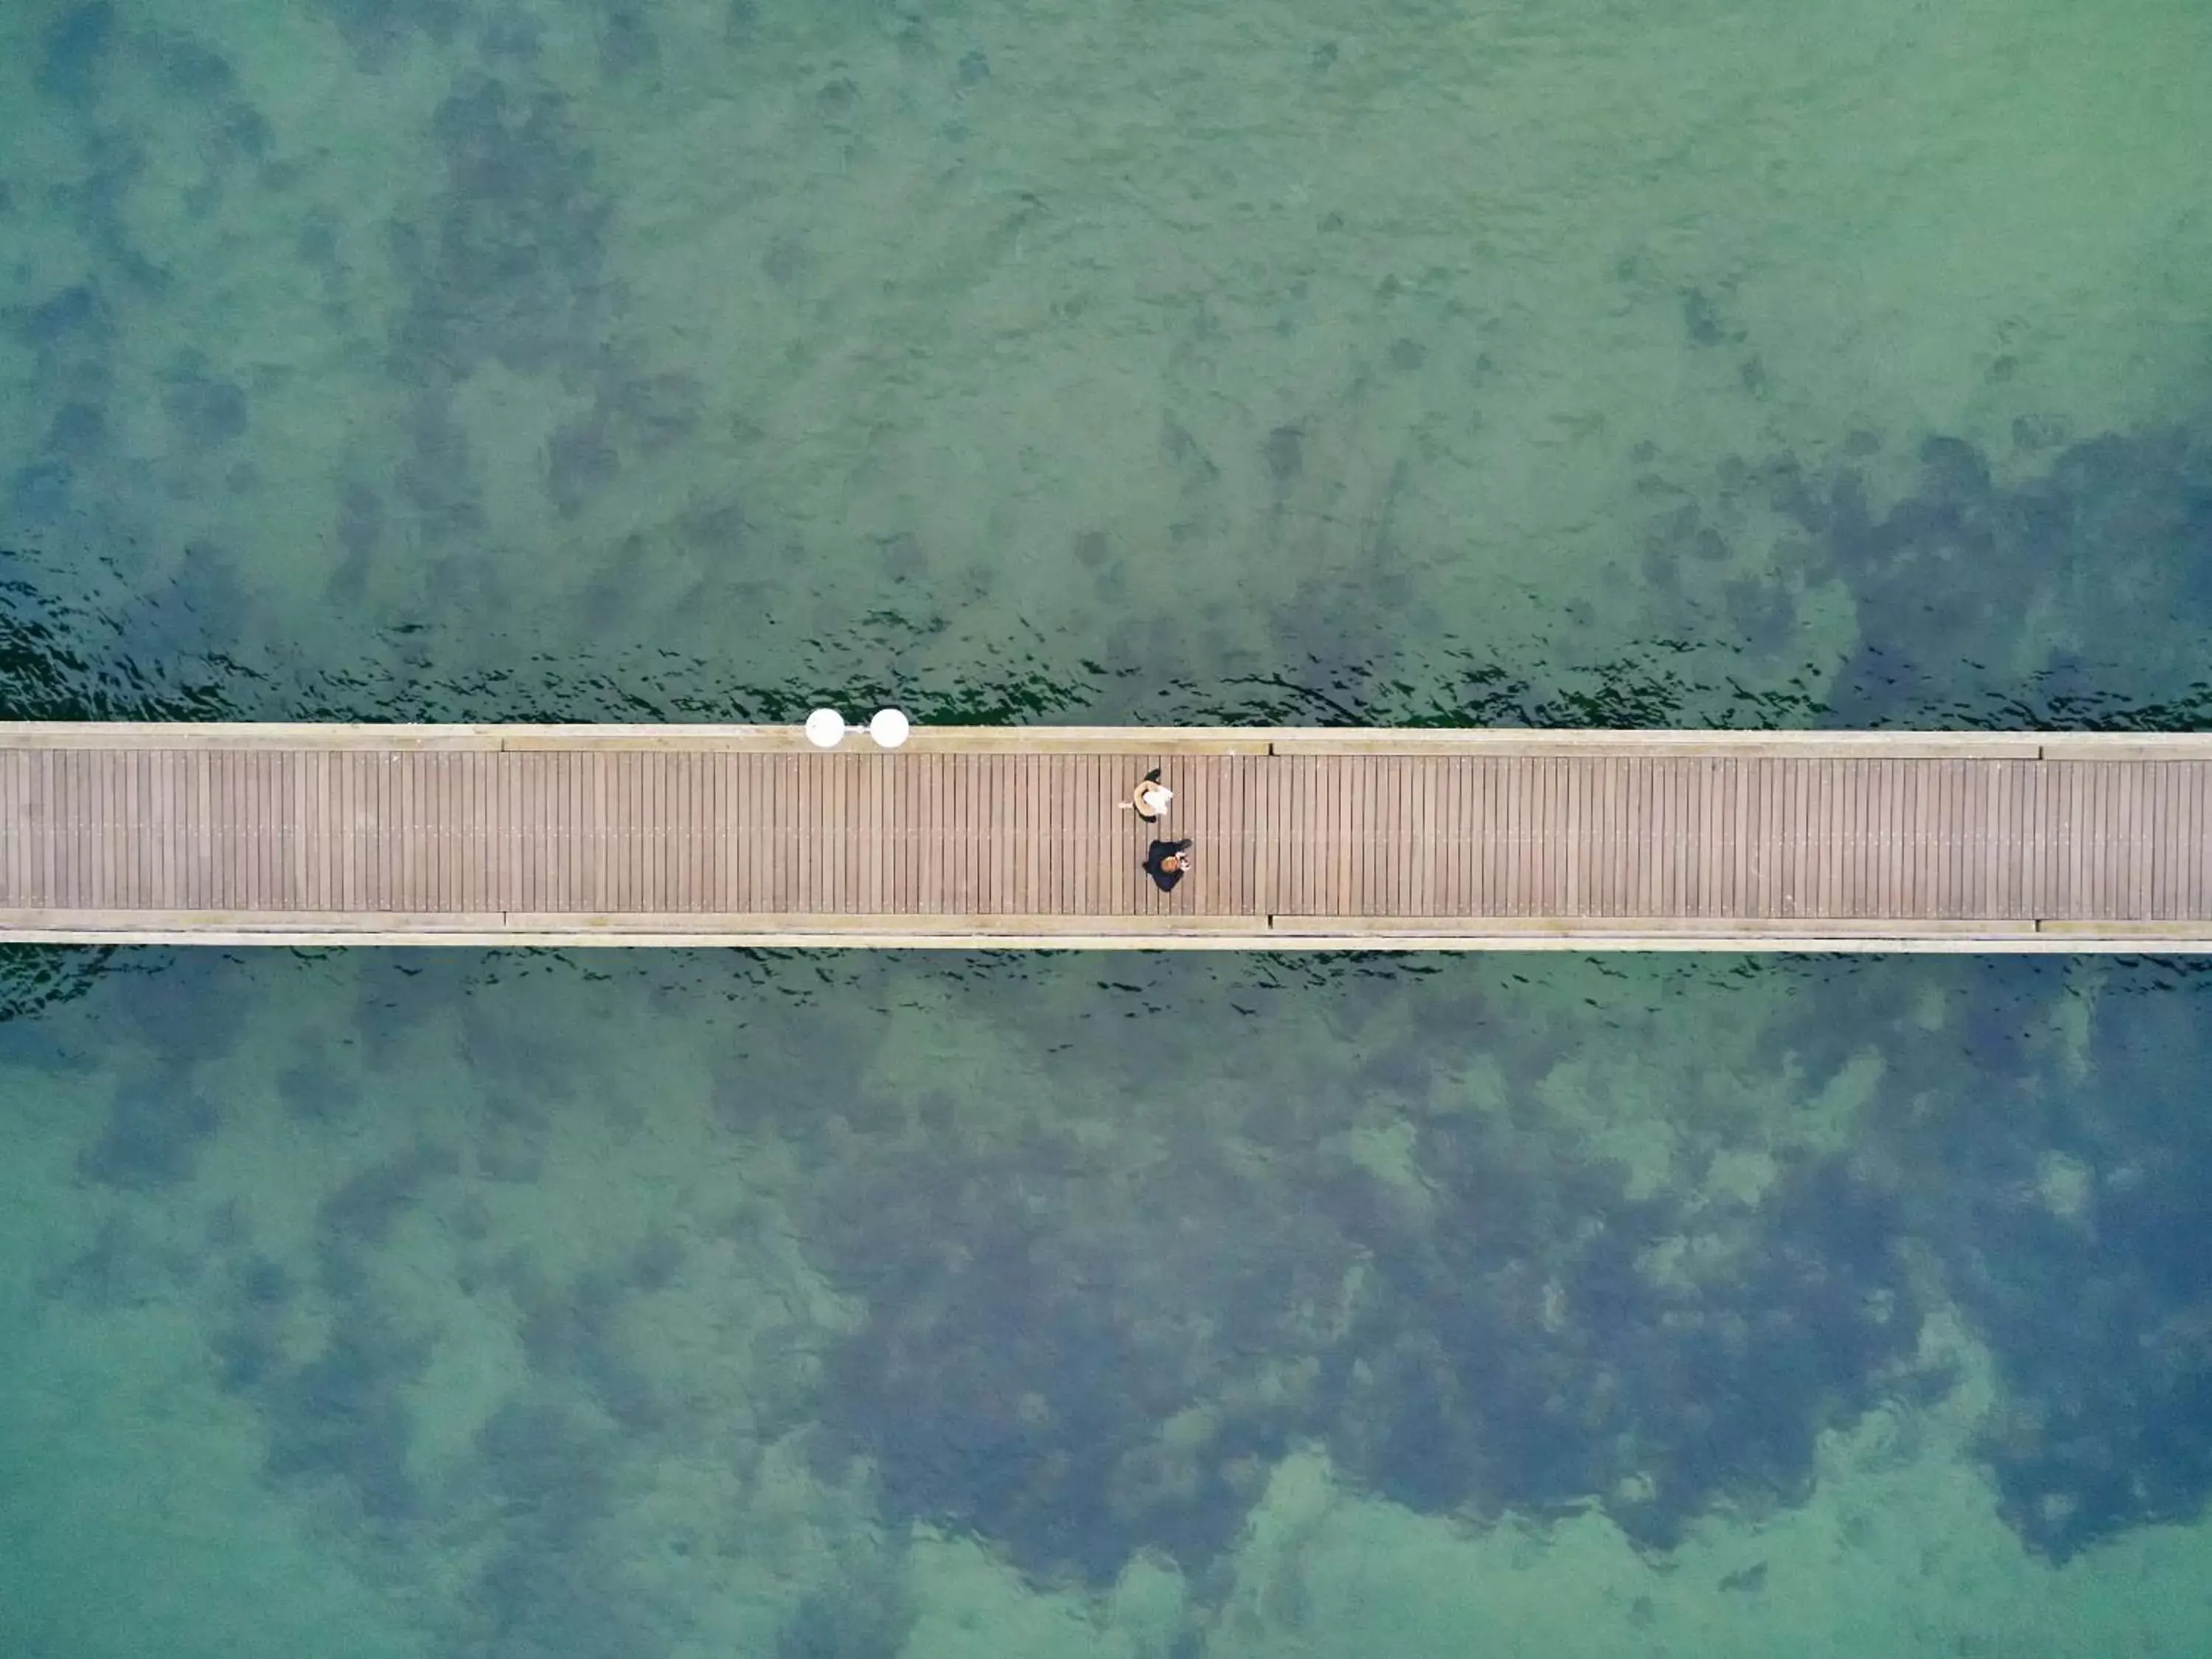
<point>2077,597</point>
<point>1117,1234</point>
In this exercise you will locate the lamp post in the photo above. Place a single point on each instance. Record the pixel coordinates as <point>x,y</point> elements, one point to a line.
<point>826,728</point>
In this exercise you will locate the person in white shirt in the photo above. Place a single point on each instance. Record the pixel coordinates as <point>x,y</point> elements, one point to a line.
<point>1150,798</point>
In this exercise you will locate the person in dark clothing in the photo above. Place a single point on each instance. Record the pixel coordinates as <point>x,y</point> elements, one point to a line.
<point>1168,862</point>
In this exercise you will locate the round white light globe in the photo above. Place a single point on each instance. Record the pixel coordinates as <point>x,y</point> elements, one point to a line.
<point>888,728</point>
<point>825,728</point>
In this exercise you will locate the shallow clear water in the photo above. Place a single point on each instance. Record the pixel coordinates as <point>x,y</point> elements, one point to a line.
<point>406,359</point>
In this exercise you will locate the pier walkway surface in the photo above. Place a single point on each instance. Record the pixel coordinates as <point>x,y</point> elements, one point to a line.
<point>1015,836</point>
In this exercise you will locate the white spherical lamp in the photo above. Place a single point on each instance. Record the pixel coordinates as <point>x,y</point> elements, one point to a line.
<point>888,728</point>
<point>825,728</point>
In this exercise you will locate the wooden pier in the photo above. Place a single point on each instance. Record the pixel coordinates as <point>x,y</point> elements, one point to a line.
<point>1324,839</point>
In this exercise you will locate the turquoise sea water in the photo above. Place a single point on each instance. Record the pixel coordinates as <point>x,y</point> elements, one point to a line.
<point>1721,364</point>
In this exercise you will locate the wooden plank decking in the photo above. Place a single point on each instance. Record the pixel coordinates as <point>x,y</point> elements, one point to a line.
<point>604,835</point>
